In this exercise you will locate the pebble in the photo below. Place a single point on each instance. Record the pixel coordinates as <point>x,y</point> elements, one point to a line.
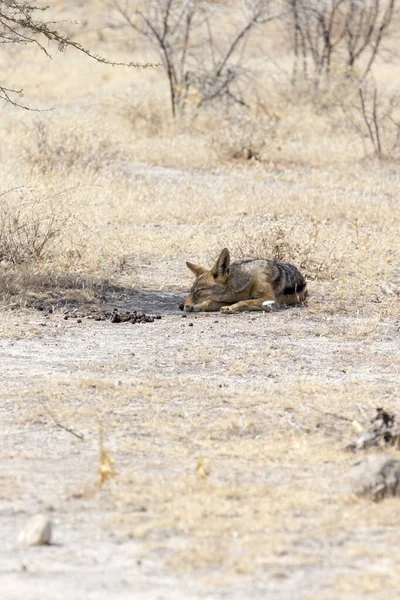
<point>377,476</point>
<point>37,532</point>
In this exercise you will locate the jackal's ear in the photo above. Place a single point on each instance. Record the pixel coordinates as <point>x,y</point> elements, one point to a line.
<point>222,265</point>
<point>195,268</point>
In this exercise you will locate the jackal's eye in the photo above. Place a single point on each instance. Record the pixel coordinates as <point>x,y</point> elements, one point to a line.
<point>198,294</point>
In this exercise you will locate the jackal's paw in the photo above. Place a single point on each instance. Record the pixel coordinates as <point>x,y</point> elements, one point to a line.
<point>268,305</point>
<point>227,309</point>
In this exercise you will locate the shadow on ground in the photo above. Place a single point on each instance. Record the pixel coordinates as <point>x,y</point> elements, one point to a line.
<point>103,300</point>
<point>155,302</point>
<point>64,291</point>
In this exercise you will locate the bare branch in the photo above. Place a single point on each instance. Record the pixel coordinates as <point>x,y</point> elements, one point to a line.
<point>177,30</point>
<point>19,24</point>
<point>376,124</point>
<point>366,118</point>
<point>60,425</point>
<point>347,33</point>
<point>239,37</point>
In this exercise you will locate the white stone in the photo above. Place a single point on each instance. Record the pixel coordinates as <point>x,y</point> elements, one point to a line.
<point>37,532</point>
<point>376,475</point>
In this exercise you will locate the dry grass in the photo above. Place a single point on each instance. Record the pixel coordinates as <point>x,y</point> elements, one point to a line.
<point>228,441</point>
<point>245,484</point>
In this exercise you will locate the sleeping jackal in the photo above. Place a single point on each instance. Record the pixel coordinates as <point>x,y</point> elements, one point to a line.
<point>248,284</point>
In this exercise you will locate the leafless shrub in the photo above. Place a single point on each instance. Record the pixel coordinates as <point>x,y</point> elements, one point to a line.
<point>337,34</point>
<point>376,119</point>
<point>201,67</point>
<point>49,255</point>
<point>293,242</point>
<point>27,231</point>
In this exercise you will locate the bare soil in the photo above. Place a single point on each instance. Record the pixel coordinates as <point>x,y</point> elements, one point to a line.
<point>227,434</point>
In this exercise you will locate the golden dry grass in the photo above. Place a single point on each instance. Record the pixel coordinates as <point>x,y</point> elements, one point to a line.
<point>108,161</point>
<point>228,437</point>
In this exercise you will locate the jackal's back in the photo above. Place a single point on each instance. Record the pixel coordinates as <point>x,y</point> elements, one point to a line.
<point>285,278</point>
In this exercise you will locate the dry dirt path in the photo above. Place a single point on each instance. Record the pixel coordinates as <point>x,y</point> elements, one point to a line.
<point>226,416</point>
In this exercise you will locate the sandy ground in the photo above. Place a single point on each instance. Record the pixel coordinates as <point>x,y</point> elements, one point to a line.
<point>254,397</point>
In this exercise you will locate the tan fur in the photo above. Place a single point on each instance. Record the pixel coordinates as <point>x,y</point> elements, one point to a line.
<point>245,285</point>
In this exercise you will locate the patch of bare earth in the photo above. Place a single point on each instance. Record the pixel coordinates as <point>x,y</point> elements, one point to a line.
<point>227,434</point>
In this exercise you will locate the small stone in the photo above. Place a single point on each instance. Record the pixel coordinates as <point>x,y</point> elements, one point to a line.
<point>37,532</point>
<point>376,476</point>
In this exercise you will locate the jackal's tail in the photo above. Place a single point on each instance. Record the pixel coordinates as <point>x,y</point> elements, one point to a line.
<point>289,282</point>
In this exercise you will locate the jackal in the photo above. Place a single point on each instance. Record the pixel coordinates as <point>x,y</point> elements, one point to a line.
<point>248,284</point>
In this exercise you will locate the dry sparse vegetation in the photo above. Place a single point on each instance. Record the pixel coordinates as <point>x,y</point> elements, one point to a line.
<point>28,232</point>
<point>201,66</point>
<point>338,36</point>
<point>228,432</point>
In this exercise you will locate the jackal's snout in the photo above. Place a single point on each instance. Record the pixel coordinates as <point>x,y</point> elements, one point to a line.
<point>188,305</point>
